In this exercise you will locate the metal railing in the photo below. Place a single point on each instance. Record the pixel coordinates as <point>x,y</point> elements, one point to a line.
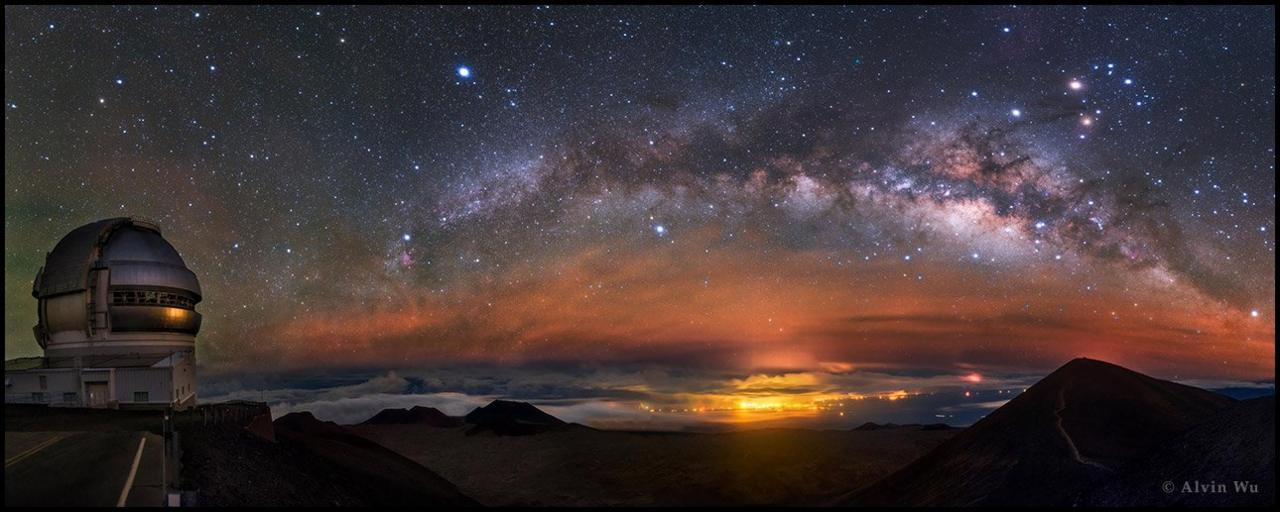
<point>237,413</point>
<point>52,401</point>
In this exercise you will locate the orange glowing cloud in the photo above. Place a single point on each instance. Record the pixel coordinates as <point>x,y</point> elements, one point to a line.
<point>689,302</point>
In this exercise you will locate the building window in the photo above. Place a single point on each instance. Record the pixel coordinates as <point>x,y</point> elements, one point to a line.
<point>141,396</point>
<point>151,298</point>
<point>44,382</point>
<point>68,397</point>
<point>37,396</point>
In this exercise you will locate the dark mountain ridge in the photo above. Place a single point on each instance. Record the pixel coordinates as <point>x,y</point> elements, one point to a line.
<point>1045,447</point>
<point>507,418</point>
<point>417,415</point>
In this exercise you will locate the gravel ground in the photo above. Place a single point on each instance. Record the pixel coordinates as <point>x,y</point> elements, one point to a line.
<point>584,467</point>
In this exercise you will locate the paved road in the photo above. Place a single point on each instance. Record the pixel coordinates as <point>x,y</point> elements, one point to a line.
<point>81,468</point>
<point>20,445</point>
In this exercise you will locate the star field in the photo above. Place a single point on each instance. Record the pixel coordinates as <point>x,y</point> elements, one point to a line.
<point>951,188</point>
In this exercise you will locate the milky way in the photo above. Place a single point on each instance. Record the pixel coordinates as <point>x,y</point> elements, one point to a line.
<point>733,191</point>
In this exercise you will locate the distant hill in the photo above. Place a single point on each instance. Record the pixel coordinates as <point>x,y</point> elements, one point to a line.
<point>507,418</point>
<point>417,415</point>
<point>1238,444</point>
<point>305,422</point>
<point>1048,445</point>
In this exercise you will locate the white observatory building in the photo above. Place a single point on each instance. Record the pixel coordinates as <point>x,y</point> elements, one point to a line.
<point>117,322</point>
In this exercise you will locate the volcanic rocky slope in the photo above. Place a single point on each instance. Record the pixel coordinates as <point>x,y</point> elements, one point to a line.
<point>1237,445</point>
<point>381,476</point>
<point>1076,427</point>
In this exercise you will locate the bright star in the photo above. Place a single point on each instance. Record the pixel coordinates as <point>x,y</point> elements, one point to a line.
<point>464,72</point>
<point>660,229</point>
<point>1075,85</point>
<point>406,237</point>
<point>1015,113</point>
<point>1254,313</point>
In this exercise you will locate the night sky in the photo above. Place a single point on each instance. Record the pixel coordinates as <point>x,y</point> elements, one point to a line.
<point>707,207</point>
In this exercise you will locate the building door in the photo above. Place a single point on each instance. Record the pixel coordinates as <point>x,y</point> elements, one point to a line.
<point>96,394</point>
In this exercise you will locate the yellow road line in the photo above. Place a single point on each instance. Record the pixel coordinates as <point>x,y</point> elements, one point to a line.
<point>133,471</point>
<point>32,451</point>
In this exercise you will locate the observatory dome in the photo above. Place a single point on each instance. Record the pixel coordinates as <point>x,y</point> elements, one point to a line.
<point>116,287</point>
